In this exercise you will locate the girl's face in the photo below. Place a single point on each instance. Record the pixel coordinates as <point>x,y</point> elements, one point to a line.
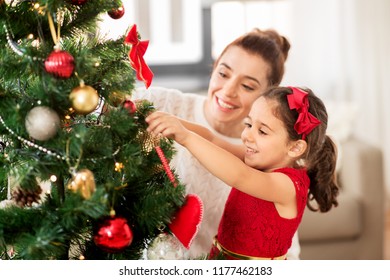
<point>236,82</point>
<point>266,138</point>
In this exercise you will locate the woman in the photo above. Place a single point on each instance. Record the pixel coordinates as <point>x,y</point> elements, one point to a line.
<point>244,70</point>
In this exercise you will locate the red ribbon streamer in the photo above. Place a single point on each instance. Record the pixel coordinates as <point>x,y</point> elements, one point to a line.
<point>306,122</point>
<point>165,164</point>
<point>136,54</point>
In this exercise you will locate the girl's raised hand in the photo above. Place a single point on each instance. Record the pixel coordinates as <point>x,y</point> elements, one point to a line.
<point>167,125</point>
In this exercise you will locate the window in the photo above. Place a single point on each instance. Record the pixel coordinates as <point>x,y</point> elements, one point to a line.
<point>173,28</point>
<point>186,35</point>
<point>230,19</point>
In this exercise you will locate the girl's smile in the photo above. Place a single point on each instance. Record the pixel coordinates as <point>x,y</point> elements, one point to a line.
<point>250,151</point>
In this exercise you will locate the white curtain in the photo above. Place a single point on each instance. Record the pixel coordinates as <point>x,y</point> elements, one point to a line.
<point>340,49</point>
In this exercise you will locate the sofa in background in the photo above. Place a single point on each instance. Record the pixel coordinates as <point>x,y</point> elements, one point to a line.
<point>355,229</point>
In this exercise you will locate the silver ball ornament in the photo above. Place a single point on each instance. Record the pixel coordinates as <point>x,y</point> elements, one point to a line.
<point>42,123</point>
<point>166,247</point>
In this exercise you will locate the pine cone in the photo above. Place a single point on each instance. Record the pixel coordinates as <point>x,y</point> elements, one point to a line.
<point>2,146</point>
<point>26,197</point>
<point>156,168</point>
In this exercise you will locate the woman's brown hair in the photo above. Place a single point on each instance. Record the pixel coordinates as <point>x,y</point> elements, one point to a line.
<point>268,44</point>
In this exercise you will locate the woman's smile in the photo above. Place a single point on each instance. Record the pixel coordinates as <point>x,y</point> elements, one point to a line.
<point>224,105</point>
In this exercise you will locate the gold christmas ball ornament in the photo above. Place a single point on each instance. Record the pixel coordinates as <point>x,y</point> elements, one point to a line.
<point>116,98</point>
<point>84,99</point>
<point>84,183</point>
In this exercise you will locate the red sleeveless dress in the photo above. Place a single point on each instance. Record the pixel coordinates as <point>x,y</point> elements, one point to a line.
<point>252,227</point>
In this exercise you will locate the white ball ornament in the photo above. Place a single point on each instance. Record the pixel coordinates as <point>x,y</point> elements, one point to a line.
<point>167,247</point>
<point>42,123</point>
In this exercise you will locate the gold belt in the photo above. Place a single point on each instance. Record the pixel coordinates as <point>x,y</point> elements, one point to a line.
<point>240,256</point>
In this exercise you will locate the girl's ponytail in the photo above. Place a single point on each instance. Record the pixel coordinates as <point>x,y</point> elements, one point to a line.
<point>321,170</point>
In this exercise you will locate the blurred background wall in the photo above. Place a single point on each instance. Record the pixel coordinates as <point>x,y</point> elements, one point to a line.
<point>339,49</point>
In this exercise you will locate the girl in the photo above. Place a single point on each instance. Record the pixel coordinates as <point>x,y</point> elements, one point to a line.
<point>286,161</point>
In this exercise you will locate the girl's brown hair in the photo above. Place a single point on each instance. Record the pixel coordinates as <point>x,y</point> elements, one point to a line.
<point>321,154</point>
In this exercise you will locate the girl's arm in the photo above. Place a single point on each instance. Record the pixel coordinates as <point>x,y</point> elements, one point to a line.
<point>275,187</point>
<point>237,150</point>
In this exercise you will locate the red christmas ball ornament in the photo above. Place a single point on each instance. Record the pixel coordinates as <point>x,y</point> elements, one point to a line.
<point>116,13</point>
<point>60,64</point>
<point>78,2</point>
<point>130,106</point>
<point>113,235</point>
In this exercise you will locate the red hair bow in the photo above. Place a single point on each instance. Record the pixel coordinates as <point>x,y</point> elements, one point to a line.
<point>136,54</point>
<point>306,122</point>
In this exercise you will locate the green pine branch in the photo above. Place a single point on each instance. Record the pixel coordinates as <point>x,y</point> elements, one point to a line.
<point>128,175</point>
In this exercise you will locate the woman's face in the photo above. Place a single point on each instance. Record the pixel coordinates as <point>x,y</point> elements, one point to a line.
<point>236,82</point>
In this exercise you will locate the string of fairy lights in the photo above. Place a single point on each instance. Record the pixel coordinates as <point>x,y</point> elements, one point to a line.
<point>48,151</point>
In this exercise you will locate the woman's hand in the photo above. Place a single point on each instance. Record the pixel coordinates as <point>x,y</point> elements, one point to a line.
<point>161,123</point>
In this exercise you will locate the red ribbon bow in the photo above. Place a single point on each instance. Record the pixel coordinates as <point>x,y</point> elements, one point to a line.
<point>306,122</point>
<point>136,54</point>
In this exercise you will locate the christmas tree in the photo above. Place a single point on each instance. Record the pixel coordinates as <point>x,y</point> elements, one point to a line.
<point>80,178</point>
